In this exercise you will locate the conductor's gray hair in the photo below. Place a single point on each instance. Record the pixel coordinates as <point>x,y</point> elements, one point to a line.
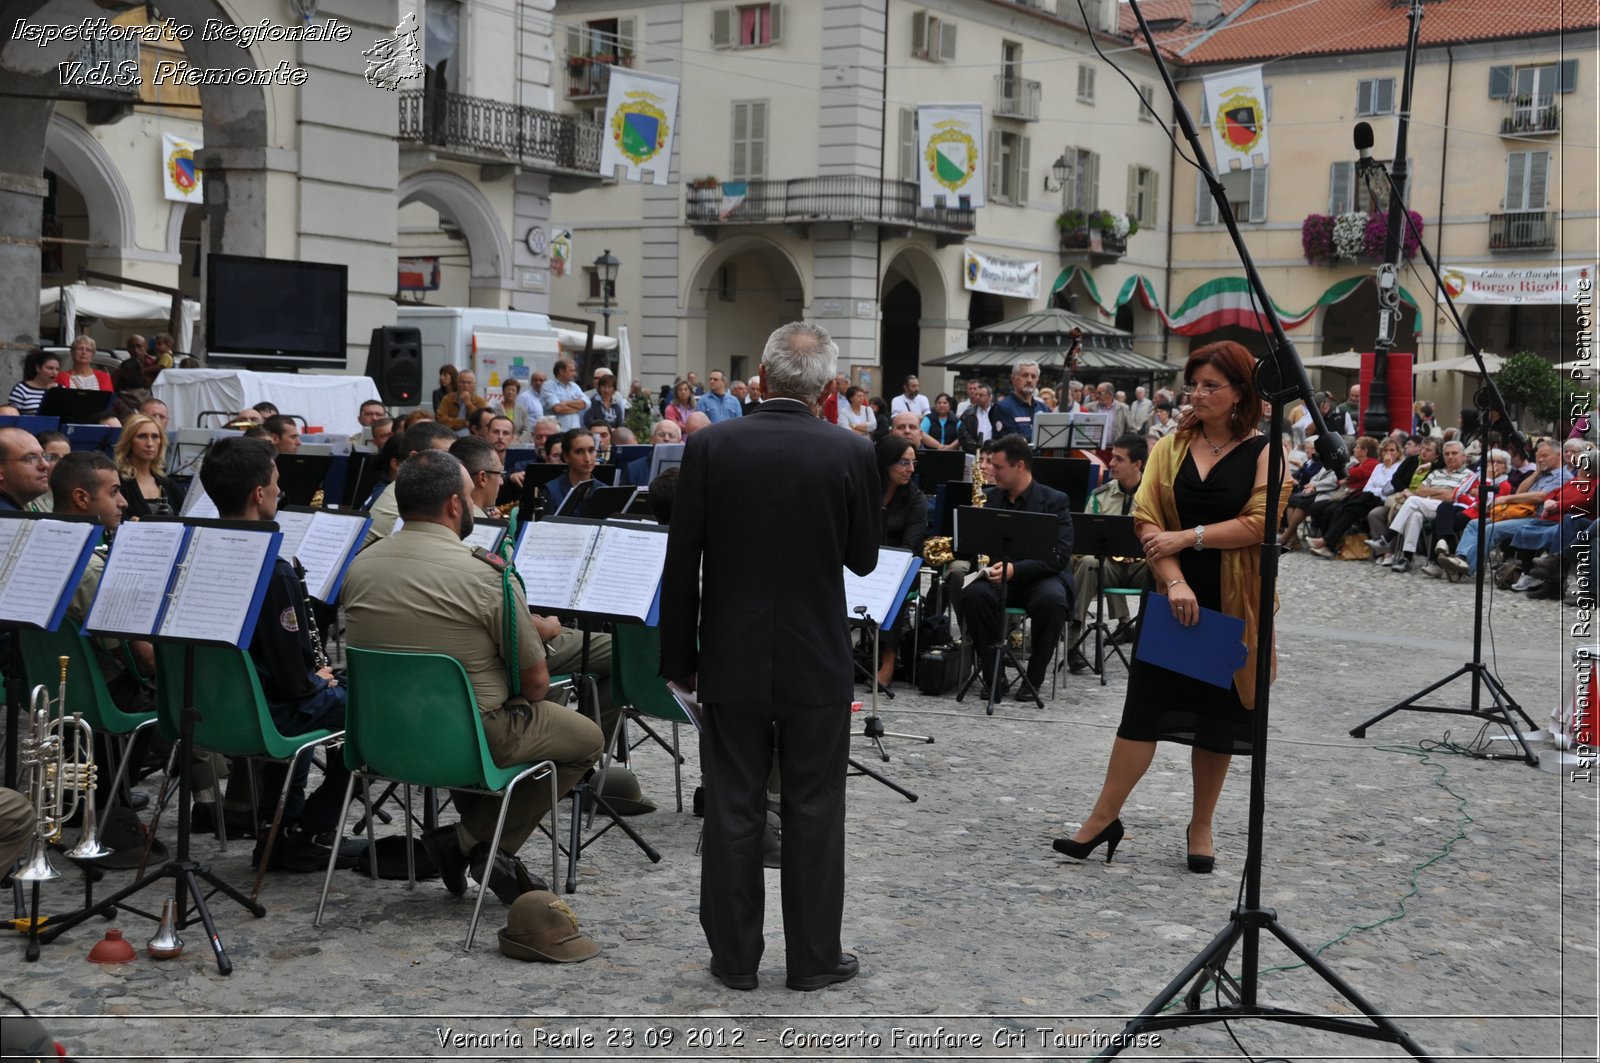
<point>800,359</point>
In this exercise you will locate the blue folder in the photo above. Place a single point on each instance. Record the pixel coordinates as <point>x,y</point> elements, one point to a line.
<point>1210,651</point>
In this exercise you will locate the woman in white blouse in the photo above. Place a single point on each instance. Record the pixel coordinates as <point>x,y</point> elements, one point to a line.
<point>856,415</point>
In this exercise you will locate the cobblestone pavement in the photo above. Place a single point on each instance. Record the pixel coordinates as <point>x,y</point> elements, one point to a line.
<point>1456,894</point>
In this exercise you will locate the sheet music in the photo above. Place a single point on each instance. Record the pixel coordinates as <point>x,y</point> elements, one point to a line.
<point>327,541</point>
<point>625,574</point>
<point>294,525</point>
<point>38,577</point>
<point>10,532</point>
<point>216,585</point>
<point>131,591</point>
<point>550,559</point>
<point>878,589</point>
<point>485,535</point>
<point>197,503</point>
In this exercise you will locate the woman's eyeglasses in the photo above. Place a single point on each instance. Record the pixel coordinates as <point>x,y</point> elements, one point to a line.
<point>907,463</point>
<point>1203,390</point>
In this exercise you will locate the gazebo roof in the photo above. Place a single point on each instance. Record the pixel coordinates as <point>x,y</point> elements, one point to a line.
<point>1044,336</point>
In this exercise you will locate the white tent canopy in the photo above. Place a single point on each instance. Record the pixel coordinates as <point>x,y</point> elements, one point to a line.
<point>573,340</point>
<point>1342,360</point>
<point>119,309</point>
<point>1465,364</point>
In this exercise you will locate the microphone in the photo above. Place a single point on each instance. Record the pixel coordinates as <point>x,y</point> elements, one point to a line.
<point>1364,141</point>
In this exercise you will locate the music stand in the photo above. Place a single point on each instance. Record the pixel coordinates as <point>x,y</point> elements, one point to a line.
<point>604,502</point>
<point>872,727</point>
<point>1073,477</point>
<point>1007,536</point>
<point>939,466</point>
<point>74,406</point>
<point>299,476</point>
<point>185,872</point>
<point>1101,536</point>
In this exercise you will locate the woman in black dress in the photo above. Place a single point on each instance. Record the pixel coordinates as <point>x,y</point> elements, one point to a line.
<point>905,524</point>
<point>1200,513</point>
<point>141,454</point>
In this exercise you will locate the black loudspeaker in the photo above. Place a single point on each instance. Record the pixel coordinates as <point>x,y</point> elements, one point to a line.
<point>394,363</point>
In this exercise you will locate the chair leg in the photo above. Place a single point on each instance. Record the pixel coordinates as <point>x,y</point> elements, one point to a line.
<point>494,849</point>
<point>411,857</point>
<point>277,823</point>
<point>333,857</point>
<point>372,842</point>
<point>677,765</point>
<point>555,846</point>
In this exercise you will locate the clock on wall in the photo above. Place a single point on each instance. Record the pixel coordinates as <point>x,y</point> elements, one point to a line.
<point>537,240</point>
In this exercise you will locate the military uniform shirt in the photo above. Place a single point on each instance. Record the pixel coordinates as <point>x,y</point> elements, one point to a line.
<point>422,591</point>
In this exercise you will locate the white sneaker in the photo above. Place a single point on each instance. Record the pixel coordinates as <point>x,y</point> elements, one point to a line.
<point>1386,561</point>
<point>1527,583</point>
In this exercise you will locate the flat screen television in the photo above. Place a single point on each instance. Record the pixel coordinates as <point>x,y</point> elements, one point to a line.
<point>272,313</point>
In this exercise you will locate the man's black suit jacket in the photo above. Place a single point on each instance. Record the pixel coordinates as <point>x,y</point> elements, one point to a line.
<point>776,504</point>
<point>1040,499</point>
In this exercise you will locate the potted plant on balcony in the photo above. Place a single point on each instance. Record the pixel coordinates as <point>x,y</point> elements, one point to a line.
<point>576,63</point>
<point>704,183</point>
<point>604,58</point>
<point>1316,239</point>
<point>1074,229</point>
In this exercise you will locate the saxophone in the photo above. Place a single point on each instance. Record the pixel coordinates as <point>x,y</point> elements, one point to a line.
<point>940,550</point>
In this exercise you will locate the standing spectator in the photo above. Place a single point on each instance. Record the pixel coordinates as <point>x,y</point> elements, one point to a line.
<point>606,406</point>
<point>83,375</point>
<point>1161,422</point>
<point>1018,409</point>
<point>1121,416</point>
<point>694,384</point>
<point>980,423</point>
<point>1141,410</point>
<point>527,403</point>
<point>141,454</point>
<point>719,405</point>
<point>1347,415</point>
<point>911,399</point>
<point>447,386</point>
<point>40,370</point>
<point>940,429</point>
<point>880,410</point>
<point>510,392</point>
<point>856,415</point>
<point>460,407</point>
<point>682,404</point>
<point>562,398</point>
<point>1074,397</point>
<point>1048,397</point>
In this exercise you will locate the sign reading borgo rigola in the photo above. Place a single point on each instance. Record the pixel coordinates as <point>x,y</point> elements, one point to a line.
<point>1539,284</point>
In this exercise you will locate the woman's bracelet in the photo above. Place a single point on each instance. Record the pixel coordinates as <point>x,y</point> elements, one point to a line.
<point>1175,582</point>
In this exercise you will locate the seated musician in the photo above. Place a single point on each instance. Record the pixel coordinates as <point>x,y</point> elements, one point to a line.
<point>578,454</point>
<point>1115,496</point>
<point>303,694</point>
<point>425,570</point>
<point>905,525</point>
<point>424,435</point>
<point>1042,587</point>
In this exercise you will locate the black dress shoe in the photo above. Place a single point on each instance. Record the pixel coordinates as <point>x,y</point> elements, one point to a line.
<point>845,970</point>
<point>1078,663</point>
<point>509,878</point>
<point>445,851</point>
<point>740,982</point>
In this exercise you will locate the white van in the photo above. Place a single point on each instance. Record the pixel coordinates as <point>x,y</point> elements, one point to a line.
<point>494,344</point>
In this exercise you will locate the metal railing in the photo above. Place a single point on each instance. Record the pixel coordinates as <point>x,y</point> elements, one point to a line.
<point>589,77</point>
<point>1531,115</point>
<point>1522,230</point>
<point>491,129</point>
<point>1016,97</point>
<point>842,198</point>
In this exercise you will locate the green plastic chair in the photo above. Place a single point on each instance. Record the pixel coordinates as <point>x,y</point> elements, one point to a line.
<point>233,720</point>
<point>636,684</point>
<point>412,717</point>
<point>87,694</point>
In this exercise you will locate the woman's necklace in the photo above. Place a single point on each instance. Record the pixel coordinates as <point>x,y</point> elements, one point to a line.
<point>1215,448</point>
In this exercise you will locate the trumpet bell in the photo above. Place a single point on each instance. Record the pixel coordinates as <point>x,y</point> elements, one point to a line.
<point>166,945</point>
<point>88,848</point>
<point>37,866</point>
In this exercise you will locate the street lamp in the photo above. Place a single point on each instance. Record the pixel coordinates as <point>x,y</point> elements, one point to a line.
<point>605,267</point>
<point>1058,170</point>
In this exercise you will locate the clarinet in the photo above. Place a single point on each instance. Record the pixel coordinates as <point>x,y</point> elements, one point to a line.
<point>318,653</point>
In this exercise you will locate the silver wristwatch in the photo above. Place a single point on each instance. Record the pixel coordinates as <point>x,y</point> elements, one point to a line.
<point>1199,537</point>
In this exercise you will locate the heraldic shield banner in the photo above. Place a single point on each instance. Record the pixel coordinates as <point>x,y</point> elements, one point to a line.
<point>180,173</point>
<point>1237,104</point>
<point>950,154</point>
<point>641,117</point>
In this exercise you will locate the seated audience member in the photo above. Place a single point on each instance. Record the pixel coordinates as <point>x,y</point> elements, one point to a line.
<point>980,423</point>
<point>425,570</point>
<point>56,446</point>
<point>284,431</point>
<point>1115,496</point>
<point>457,408</point>
<point>24,472</point>
<point>1510,513</point>
<point>39,371</point>
<point>139,354</point>
<point>1564,524</point>
<point>1042,588</point>
<point>424,435</point>
<point>1448,484</point>
<point>578,454</point>
<point>157,411</point>
<point>1451,518</point>
<point>82,374</point>
<point>1419,456</point>
<point>141,455</point>
<point>544,430</point>
<point>1351,511</point>
<point>1322,493</point>
<point>940,429</point>
<point>248,415</point>
<point>637,472</point>
<point>904,525</point>
<point>241,477</point>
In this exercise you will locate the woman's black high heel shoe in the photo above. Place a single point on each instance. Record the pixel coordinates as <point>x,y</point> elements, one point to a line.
<point>1200,865</point>
<point>1111,836</point>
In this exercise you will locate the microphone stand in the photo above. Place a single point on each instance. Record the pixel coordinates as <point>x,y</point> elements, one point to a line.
<point>1247,921</point>
<point>1487,398</point>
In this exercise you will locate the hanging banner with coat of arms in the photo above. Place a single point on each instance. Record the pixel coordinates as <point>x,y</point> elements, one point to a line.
<point>641,116</point>
<point>950,154</point>
<point>1237,104</point>
<point>180,172</point>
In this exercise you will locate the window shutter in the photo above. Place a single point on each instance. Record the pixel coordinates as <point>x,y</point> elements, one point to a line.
<point>919,35</point>
<point>996,169</point>
<point>575,41</point>
<point>1133,192</point>
<point>722,27</point>
<point>625,38</point>
<point>1258,194</point>
<point>908,144</point>
<point>1341,187</point>
<point>1538,172</point>
<point>1151,199</point>
<point>1569,76</point>
<point>758,141</point>
<point>739,159</point>
<point>1516,183</point>
<point>1383,98</point>
<point>947,42</point>
<point>1499,82</point>
<point>1094,183</point>
<point>776,24</point>
<point>1364,97</point>
<point>1146,104</point>
<point>1205,208</point>
<point>1024,149</point>
<point>1266,104</point>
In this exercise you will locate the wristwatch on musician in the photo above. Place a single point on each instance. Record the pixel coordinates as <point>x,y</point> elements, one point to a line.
<point>1199,537</point>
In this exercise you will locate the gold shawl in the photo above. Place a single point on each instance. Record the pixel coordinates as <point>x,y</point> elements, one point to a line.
<point>1241,568</point>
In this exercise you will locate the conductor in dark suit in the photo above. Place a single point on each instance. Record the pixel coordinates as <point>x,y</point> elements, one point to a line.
<point>1043,588</point>
<point>778,492</point>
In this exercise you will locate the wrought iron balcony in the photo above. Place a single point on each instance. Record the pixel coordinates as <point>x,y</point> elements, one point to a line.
<point>489,131</point>
<point>825,199</point>
<point>1531,116</point>
<point>589,76</point>
<point>1017,98</point>
<point>1531,230</point>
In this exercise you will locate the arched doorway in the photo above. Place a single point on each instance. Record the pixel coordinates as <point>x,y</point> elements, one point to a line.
<point>1351,324</point>
<point>462,213</point>
<point>740,292</point>
<point>902,310</point>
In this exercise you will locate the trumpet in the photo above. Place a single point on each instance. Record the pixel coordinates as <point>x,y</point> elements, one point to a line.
<point>57,755</point>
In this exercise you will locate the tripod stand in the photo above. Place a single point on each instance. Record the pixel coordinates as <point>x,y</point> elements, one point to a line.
<point>1103,536</point>
<point>1247,921</point>
<point>1008,536</point>
<point>872,726</point>
<point>1475,670</point>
